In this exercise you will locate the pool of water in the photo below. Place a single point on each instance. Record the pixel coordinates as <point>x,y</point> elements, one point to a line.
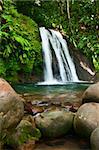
<point>46,89</point>
<point>71,92</point>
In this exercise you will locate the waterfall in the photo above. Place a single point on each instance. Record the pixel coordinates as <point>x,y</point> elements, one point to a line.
<point>53,44</point>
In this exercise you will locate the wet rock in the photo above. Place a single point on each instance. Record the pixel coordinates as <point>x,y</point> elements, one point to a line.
<point>94,140</point>
<point>30,109</point>
<point>91,94</point>
<point>86,119</point>
<point>73,107</point>
<point>84,67</point>
<point>11,106</point>
<point>54,123</point>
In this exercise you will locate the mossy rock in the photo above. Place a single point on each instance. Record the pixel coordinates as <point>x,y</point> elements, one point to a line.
<point>22,134</point>
<point>54,123</point>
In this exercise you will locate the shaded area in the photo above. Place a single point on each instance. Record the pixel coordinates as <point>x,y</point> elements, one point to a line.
<point>70,142</point>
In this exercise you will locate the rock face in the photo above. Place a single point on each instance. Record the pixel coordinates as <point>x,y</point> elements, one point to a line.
<point>96,78</point>
<point>11,106</point>
<point>91,94</point>
<point>86,119</point>
<point>54,123</point>
<point>94,140</point>
<point>84,67</point>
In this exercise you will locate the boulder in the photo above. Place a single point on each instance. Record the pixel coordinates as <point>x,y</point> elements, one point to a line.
<point>5,88</point>
<point>94,139</point>
<point>86,119</point>
<point>91,94</point>
<point>11,106</point>
<point>26,132</point>
<point>54,123</point>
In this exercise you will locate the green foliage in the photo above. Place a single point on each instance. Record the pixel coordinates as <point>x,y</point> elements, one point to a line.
<point>45,13</point>
<point>20,51</point>
<point>20,43</point>
<point>82,27</point>
<point>2,67</point>
<point>85,28</point>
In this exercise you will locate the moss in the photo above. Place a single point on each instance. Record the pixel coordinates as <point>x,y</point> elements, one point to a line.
<point>21,135</point>
<point>28,133</point>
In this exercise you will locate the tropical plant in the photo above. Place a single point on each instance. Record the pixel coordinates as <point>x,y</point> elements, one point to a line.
<point>20,44</point>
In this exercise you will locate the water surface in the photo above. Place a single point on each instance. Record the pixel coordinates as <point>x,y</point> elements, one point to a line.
<point>46,89</point>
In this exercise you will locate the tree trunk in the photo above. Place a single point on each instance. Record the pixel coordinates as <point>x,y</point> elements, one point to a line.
<point>70,24</point>
<point>1,5</point>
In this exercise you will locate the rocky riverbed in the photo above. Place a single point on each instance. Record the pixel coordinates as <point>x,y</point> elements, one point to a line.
<point>52,122</point>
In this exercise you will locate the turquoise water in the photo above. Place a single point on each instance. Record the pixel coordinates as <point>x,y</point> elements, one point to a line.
<point>71,92</point>
<point>45,89</point>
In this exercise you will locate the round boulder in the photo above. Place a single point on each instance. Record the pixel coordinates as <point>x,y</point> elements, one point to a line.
<point>91,94</point>
<point>11,106</point>
<point>54,123</point>
<point>86,119</point>
<point>94,139</point>
<point>6,89</point>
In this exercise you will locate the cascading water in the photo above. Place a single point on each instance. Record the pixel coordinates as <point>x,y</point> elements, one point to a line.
<point>53,42</point>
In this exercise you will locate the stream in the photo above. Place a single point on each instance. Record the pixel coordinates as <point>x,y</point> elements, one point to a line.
<point>49,97</point>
